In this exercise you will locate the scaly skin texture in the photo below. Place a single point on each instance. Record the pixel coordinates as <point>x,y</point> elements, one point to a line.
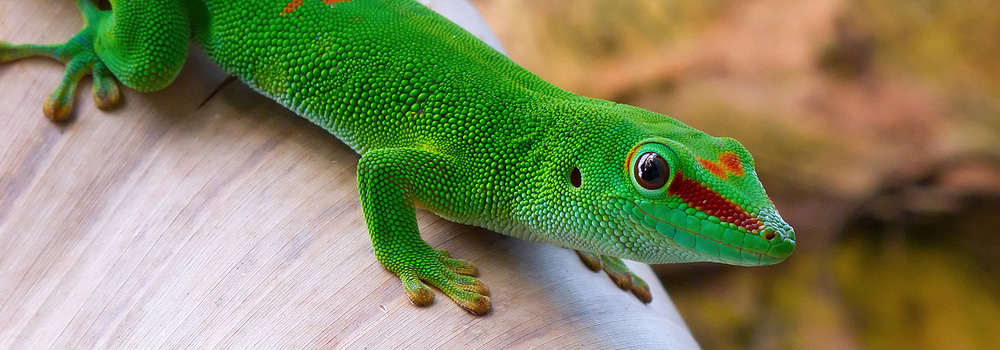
<point>446,123</point>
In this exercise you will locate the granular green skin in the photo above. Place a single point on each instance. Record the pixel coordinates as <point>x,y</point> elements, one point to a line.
<point>444,122</point>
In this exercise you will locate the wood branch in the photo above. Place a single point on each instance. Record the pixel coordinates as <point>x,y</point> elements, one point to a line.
<point>238,225</point>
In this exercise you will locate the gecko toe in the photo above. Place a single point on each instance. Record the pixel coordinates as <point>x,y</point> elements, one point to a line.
<point>591,260</point>
<point>418,292</point>
<point>641,290</point>
<point>616,269</point>
<point>476,304</point>
<point>106,92</point>
<point>470,284</point>
<point>458,266</point>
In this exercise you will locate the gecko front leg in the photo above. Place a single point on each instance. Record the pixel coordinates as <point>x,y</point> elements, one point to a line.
<point>391,182</point>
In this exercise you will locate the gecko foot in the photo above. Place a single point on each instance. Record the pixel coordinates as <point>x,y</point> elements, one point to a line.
<point>80,59</point>
<point>451,276</point>
<point>619,272</point>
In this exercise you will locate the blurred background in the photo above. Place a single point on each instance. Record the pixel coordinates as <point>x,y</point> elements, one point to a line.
<point>875,125</point>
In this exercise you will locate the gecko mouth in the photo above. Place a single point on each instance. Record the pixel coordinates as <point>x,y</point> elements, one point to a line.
<point>714,239</point>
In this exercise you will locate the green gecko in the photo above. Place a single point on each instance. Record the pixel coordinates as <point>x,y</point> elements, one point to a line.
<point>446,123</point>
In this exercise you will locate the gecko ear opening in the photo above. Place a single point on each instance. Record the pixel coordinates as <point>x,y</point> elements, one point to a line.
<point>575,178</point>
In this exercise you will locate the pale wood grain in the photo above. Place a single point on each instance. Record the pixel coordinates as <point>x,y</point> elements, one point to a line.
<point>237,225</point>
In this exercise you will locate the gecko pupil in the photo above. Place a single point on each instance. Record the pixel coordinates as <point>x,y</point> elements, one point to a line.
<point>651,171</point>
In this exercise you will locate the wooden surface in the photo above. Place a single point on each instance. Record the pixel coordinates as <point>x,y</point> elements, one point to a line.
<point>238,225</point>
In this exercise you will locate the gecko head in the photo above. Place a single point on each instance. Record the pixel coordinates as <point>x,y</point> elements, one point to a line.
<point>661,192</point>
<point>700,199</point>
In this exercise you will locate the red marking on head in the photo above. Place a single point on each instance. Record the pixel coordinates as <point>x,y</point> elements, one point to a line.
<point>732,163</point>
<point>728,163</point>
<point>700,197</point>
<point>714,168</point>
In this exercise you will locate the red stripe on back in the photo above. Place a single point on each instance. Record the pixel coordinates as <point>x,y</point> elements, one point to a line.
<point>291,7</point>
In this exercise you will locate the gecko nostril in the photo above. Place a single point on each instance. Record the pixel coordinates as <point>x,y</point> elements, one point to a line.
<point>769,236</point>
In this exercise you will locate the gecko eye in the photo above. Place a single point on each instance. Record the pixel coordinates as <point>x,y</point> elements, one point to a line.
<point>651,171</point>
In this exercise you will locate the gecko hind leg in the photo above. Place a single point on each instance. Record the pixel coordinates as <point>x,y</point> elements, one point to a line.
<point>142,44</point>
<point>80,58</point>
<point>619,272</point>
